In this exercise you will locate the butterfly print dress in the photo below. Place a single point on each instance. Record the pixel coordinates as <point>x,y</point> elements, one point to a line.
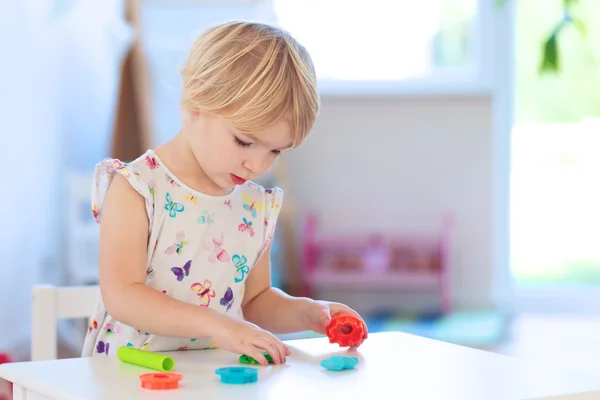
<point>201,248</point>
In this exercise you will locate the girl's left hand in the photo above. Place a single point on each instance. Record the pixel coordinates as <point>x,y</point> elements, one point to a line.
<point>319,313</point>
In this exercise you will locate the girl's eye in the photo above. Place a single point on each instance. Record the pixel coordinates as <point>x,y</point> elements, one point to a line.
<point>240,143</point>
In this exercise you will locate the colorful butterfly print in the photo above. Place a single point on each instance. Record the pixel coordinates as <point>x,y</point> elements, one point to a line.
<point>206,218</point>
<point>151,162</point>
<point>163,291</point>
<point>145,345</point>
<point>129,344</point>
<point>246,226</point>
<point>193,339</point>
<point>254,186</point>
<point>274,205</point>
<point>119,166</point>
<point>107,170</point>
<point>251,205</point>
<point>227,203</point>
<point>216,250</point>
<point>227,300</point>
<point>242,268</point>
<point>142,333</point>
<point>192,198</point>
<point>93,325</point>
<point>180,272</point>
<point>266,222</point>
<point>152,188</point>
<point>172,207</point>
<point>204,292</point>
<point>110,330</point>
<point>267,242</point>
<point>179,244</point>
<point>182,348</point>
<point>96,213</point>
<point>264,247</point>
<point>171,180</point>
<point>150,272</point>
<point>102,347</point>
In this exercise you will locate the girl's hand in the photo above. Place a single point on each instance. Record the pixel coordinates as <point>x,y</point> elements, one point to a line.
<point>244,337</point>
<point>319,313</point>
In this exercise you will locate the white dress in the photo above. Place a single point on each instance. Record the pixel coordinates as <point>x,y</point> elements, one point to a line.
<point>200,248</point>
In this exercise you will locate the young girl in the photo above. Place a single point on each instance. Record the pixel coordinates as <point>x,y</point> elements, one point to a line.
<point>184,233</point>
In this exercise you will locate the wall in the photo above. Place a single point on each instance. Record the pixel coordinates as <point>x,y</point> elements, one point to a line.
<point>54,118</point>
<point>402,164</point>
<point>370,163</point>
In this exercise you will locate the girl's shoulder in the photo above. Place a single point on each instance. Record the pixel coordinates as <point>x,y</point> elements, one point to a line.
<point>140,173</point>
<point>258,207</point>
<point>255,196</point>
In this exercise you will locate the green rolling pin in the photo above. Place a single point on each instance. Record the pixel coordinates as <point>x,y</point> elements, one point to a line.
<point>146,359</point>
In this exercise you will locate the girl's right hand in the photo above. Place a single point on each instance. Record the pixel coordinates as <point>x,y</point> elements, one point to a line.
<point>244,337</point>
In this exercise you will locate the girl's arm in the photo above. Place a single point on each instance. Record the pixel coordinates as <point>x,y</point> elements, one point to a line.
<point>270,308</point>
<point>275,311</point>
<point>122,264</point>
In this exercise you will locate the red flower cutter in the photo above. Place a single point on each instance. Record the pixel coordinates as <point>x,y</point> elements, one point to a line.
<point>346,330</point>
<point>160,380</point>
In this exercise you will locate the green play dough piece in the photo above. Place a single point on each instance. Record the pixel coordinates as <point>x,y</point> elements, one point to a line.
<point>146,359</point>
<point>244,359</point>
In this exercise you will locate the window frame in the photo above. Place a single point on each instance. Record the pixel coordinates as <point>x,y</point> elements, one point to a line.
<point>461,84</point>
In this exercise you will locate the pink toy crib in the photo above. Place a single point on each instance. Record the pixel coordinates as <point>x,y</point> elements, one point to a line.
<point>378,261</point>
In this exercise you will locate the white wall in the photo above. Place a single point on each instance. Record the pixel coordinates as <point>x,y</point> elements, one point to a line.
<point>53,117</point>
<point>402,164</point>
<point>436,154</point>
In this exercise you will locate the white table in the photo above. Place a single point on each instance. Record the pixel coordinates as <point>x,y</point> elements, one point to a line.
<point>392,365</point>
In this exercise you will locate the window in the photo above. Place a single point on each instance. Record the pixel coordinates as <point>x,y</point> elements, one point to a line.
<point>555,141</point>
<point>385,40</point>
<point>367,47</point>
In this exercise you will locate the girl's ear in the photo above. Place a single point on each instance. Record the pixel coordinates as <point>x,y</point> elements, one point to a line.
<point>188,115</point>
<point>193,113</point>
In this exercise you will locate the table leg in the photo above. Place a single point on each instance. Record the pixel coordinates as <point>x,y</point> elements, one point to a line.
<point>19,392</point>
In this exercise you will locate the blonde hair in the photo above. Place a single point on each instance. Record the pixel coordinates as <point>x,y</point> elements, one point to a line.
<point>251,74</point>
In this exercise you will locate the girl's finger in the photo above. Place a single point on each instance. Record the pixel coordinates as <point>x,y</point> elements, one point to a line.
<point>281,349</point>
<point>255,353</point>
<point>268,346</point>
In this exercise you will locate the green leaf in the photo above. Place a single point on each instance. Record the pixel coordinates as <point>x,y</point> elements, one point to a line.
<point>550,54</point>
<point>579,25</point>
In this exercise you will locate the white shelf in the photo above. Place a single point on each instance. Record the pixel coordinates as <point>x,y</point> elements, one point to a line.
<point>346,279</point>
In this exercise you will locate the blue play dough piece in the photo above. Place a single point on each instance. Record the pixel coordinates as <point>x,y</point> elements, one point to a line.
<point>237,375</point>
<point>338,363</point>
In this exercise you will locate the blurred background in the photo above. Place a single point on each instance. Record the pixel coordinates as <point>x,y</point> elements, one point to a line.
<point>449,188</point>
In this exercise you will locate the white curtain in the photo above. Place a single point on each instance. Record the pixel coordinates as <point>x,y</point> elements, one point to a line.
<point>59,70</point>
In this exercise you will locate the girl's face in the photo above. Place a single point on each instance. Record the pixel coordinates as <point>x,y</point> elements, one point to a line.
<point>229,157</point>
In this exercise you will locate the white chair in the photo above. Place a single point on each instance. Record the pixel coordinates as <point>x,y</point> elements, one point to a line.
<point>83,234</point>
<point>50,304</point>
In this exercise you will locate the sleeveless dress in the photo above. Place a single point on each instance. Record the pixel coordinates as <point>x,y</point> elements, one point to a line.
<point>201,248</point>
